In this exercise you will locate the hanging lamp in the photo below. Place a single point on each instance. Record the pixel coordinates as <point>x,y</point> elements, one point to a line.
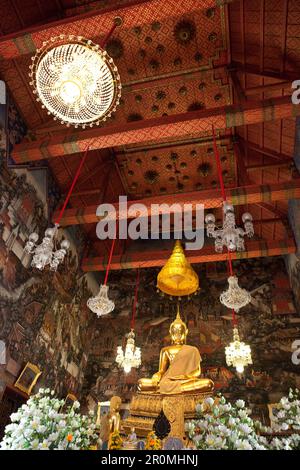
<point>177,277</point>
<point>229,235</point>
<point>238,353</point>
<point>76,80</point>
<point>46,254</point>
<point>131,357</point>
<point>101,304</point>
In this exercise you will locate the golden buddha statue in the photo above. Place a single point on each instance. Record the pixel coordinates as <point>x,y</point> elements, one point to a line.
<point>179,366</point>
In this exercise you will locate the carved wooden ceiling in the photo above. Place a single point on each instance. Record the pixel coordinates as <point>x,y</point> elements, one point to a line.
<point>184,66</point>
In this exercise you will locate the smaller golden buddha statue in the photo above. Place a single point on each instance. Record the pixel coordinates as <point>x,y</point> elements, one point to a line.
<point>179,366</point>
<point>114,415</point>
<point>114,418</point>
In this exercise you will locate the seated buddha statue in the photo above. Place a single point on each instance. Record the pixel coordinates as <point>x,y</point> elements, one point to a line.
<point>179,366</point>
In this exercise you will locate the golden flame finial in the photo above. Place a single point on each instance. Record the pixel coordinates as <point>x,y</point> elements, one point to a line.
<point>177,277</point>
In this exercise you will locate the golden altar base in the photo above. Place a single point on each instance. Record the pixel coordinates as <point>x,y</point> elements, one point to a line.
<point>146,407</point>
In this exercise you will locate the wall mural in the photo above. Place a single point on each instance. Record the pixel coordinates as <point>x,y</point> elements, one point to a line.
<point>43,315</point>
<point>270,325</point>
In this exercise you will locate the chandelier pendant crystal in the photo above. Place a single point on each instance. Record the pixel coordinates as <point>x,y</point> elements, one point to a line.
<point>101,304</point>
<point>230,236</point>
<point>131,357</point>
<point>45,253</point>
<point>75,80</point>
<point>235,297</point>
<point>238,354</point>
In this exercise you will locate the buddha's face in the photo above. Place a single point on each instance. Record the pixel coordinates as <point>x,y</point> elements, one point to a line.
<point>178,333</point>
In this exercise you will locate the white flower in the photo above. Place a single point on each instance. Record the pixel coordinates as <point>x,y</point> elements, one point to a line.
<point>245,428</point>
<point>209,401</point>
<point>35,444</point>
<point>243,445</point>
<point>284,426</point>
<point>242,414</point>
<point>15,417</point>
<point>35,423</point>
<point>199,408</point>
<point>76,405</point>
<point>210,440</point>
<point>240,403</point>
<point>53,436</point>
<point>61,424</point>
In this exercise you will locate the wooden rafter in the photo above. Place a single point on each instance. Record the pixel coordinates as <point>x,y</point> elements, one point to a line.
<point>175,126</point>
<point>209,198</point>
<point>140,259</point>
<point>142,11</point>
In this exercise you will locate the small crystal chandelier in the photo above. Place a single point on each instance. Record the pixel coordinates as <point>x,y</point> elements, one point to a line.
<point>235,297</point>
<point>238,354</point>
<point>229,235</point>
<point>132,355</point>
<point>101,304</point>
<point>43,254</point>
<point>75,80</point>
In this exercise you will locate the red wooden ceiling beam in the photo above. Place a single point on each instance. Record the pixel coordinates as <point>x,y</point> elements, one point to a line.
<point>157,129</point>
<point>137,12</point>
<point>140,259</point>
<point>210,198</point>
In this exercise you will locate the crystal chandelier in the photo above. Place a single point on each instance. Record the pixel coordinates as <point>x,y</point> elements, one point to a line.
<point>238,354</point>
<point>229,235</point>
<point>101,304</point>
<point>75,80</point>
<point>43,254</point>
<point>235,297</point>
<point>132,355</point>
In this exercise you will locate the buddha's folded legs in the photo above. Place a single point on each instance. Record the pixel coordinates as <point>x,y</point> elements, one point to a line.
<point>201,385</point>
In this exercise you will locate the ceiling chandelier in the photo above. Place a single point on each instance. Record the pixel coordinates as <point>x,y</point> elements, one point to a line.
<point>235,297</point>
<point>75,80</point>
<point>230,236</point>
<point>45,253</point>
<point>132,355</point>
<point>238,354</point>
<point>101,304</point>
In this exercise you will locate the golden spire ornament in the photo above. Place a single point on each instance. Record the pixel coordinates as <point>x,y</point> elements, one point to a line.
<point>177,278</point>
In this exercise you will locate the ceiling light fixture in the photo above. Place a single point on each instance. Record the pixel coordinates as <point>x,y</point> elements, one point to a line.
<point>75,80</point>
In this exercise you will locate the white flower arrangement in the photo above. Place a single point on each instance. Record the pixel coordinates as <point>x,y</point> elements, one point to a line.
<point>40,424</point>
<point>286,416</point>
<point>222,426</point>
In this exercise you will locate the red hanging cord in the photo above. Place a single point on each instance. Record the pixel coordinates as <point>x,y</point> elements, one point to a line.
<point>72,186</point>
<point>107,37</point>
<point>110,256</point>
<point>135,298</point>
<point>230,263</point>
<point>219,168</point>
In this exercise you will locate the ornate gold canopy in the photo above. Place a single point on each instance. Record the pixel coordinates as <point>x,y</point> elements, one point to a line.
<point>177,277</point>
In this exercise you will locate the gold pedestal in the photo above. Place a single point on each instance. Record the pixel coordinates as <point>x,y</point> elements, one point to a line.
<point>145,408</point>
